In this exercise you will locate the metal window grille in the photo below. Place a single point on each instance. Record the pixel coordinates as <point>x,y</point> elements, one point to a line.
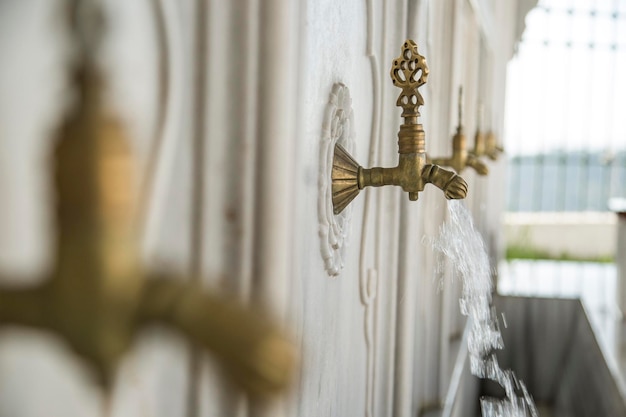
<point>566,108</point>
<point>566,141</point>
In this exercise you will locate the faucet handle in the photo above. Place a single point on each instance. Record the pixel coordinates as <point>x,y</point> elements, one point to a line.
<point>404,74</point>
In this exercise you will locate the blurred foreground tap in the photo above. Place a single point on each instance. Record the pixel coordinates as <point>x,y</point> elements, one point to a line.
<point>461,158</point>
<point>98,296</point>
<point>485,145</point>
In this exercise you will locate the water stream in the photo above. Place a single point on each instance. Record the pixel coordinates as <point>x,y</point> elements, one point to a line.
<point>463,246</point>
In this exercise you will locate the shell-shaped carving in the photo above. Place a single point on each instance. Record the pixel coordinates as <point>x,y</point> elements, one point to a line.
<point>338,128</point>
<point>345,179</point>
<point>409,72</point>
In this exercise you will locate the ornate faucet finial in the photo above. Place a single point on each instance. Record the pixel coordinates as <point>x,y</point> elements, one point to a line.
<point>404,74</point>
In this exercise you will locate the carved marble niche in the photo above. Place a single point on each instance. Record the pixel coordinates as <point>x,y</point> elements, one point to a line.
<point>337,127</point>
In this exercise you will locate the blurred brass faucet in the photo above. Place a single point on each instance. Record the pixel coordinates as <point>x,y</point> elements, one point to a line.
<point>485,146</point>
<point>98,296</point>
<point>461,158</point>
<point>408,72</point>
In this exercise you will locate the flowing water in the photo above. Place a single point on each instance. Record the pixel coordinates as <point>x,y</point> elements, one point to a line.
<point>464,248</point>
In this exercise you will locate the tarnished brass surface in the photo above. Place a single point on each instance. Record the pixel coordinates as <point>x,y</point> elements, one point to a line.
<point>408,72</point>
<point>479,143</point>
<point>345,174</point>
<point>492,149</point>
<point>486,145</point>
<point>98,296</point>
<point>255,353</point>
<point>461,158</point>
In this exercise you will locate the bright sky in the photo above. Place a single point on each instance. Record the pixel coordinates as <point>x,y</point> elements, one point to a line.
<point>567,84</point>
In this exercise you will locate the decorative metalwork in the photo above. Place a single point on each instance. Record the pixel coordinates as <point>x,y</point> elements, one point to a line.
<point>461,158</point>
<point>369,263</point>
<point>408,72</point>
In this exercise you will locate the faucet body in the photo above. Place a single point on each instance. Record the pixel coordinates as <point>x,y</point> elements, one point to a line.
<point>479,143</point>
<point>492,149</point>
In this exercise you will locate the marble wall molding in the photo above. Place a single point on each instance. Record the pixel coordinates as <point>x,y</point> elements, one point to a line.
<point>337,128</point>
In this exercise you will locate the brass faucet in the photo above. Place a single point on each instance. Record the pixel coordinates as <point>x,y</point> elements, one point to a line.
<point>492,149</point>
<point>408,72</point>
<point>98,296</point>
<point>485,146</point>
<point>461,158</point>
